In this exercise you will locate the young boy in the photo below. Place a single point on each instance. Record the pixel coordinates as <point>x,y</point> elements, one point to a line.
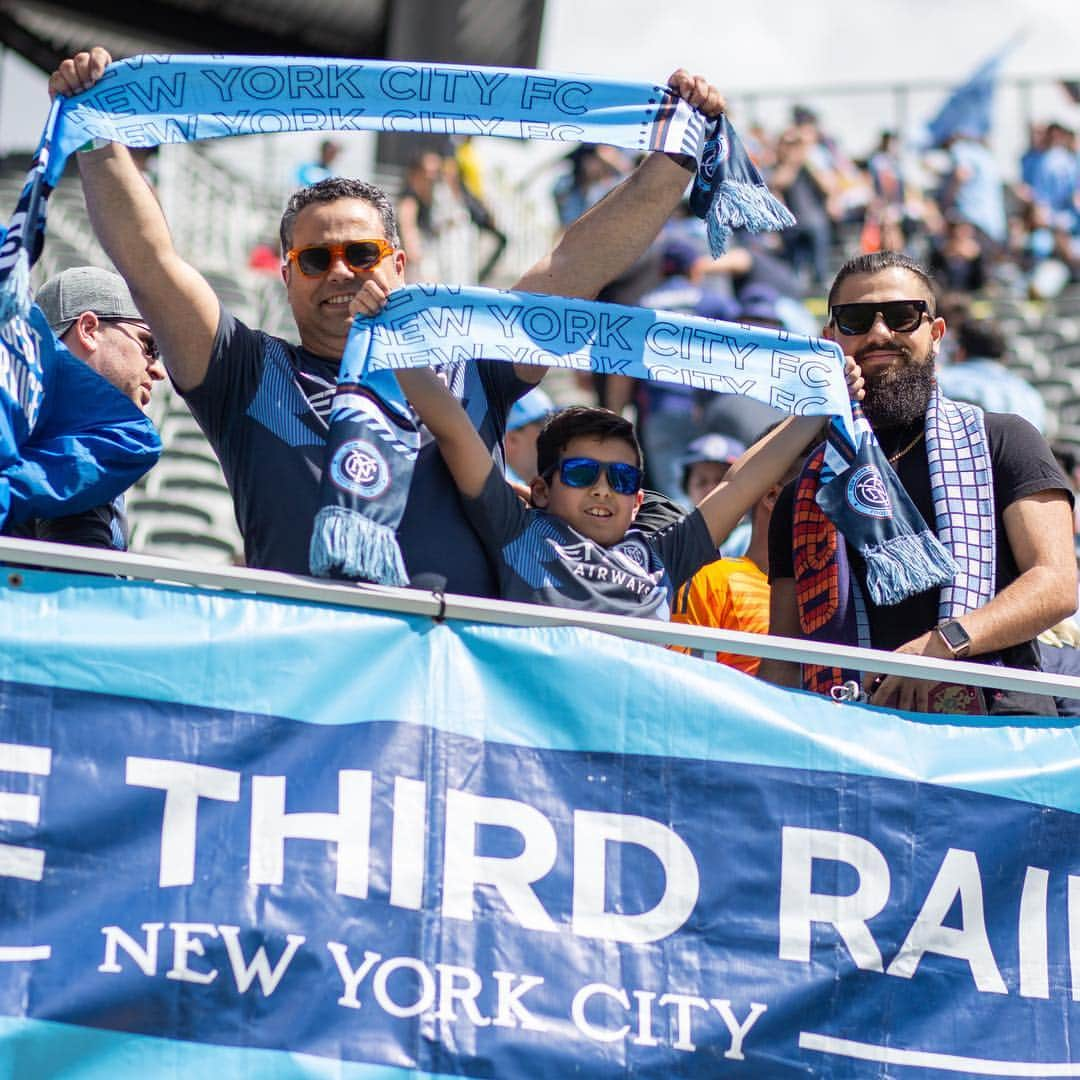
<point>576,547</point>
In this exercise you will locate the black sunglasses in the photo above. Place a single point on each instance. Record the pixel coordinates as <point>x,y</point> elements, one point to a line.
<point>579,472</point>
<point>143,337</point>
<point>901,316</point>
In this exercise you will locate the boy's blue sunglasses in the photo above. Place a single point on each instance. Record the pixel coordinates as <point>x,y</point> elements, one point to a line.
<point>579,472</point>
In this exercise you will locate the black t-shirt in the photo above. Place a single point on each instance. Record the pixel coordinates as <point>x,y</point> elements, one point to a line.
<point>102,526</point>
<point>1022,465</point>
<point>263,407</point>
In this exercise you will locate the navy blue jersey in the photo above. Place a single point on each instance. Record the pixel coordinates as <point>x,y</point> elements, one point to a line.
<point>264,406</point>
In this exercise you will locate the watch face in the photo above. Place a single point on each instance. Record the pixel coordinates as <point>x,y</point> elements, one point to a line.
<point>954,634</point>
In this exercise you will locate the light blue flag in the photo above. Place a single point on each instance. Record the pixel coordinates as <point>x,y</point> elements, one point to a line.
<point>968,111</point>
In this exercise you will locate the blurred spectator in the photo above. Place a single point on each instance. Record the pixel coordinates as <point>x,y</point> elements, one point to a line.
<point>594,171</point>
<point>958,261</point>
<point>977,374</point>
<point>731,593</point>
<point>806,192</point>
<point>706,462</point>
<point>526,418</point>
<point>434,223</point>
<point>311,172</point>
<point>478,213</point>
<point>1042,252</point>
<point>973,190</point>
<point>464,171</point>
<point>1053,174</point>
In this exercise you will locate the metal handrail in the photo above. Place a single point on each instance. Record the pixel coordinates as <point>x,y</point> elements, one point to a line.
<point>39,554</point>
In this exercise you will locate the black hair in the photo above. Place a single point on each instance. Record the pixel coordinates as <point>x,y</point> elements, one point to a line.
<point>875,262</point>
<point>580,420</point>
<point>981,337</point>
<point>330,190</point>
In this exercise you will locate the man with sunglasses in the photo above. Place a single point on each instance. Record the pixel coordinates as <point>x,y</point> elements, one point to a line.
<point>92,313</point>
<point>987,484</point>
<point>264,402</point>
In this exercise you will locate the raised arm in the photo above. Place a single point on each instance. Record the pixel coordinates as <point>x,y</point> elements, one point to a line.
<point>609,237</point>
<point>763,465</point>
<point>464,452</point>
<point>176,300</point>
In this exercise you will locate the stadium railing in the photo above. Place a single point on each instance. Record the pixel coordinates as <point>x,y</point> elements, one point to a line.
<point>18,554</point>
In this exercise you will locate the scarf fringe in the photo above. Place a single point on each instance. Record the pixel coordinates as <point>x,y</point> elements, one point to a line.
<point>738,204</point>
<point>345,543</point>
<point>15,301</point>
<point>904,566</point>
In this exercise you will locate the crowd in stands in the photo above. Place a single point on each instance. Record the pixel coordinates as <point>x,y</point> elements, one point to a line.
<point>622,502</point>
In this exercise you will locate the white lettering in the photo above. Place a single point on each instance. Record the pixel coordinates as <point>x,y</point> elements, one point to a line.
<point>463,869</point>
<point>408,844</point>
<point>184,783</point>
<point>183,945</point>
<point>737,1031</point>
<point>349,829</point>
<point>593,831</point>
<point>245,973</point>
<point>1033,943</point>
<point>15,860</point>
<point>145,958</point>
<point>459,984</point>
<point>510,1012</point>
<point>427,987</point>
<point>577,1012</point>
<point>958,876</point>
<point>352,978</point>
<point>800,908</point>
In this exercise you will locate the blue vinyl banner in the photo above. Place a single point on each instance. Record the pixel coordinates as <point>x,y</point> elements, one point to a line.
<point>242,837</point>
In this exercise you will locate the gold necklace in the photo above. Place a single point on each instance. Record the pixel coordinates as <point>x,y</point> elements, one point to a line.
<point>910,446</point>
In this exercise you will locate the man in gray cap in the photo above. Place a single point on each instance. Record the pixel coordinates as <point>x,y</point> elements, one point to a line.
<point>91,311</point>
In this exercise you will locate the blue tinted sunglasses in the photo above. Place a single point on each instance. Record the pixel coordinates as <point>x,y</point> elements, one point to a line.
<point>579,472</point>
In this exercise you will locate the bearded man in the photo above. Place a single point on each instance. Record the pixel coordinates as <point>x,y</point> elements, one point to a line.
<point>986,483</point>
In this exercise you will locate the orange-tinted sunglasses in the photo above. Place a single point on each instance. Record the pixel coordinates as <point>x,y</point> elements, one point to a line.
<point>316,260</point>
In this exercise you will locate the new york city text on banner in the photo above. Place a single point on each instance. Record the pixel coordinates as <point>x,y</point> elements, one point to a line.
<point>434,325</point>
<point>389,847</point>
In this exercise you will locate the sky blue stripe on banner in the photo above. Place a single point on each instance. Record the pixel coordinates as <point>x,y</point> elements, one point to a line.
<point>45,1050</point>
<point>561,688</point>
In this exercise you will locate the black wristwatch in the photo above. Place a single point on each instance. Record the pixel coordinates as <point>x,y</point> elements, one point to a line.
<point>955,637</point>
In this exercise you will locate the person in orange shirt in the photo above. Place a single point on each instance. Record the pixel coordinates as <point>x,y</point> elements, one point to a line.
<point>730,593</point>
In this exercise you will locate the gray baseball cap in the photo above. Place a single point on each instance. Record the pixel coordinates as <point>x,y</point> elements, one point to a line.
<point>65,296</point>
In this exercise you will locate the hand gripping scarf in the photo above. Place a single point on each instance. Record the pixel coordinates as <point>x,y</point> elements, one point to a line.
<point>831,604</point>
<point>369,464</point>
<point>150,100</point>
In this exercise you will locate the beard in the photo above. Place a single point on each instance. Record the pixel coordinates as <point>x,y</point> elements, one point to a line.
<point>898,396</point>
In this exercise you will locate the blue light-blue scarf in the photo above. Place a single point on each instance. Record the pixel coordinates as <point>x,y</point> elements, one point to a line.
<point>150,100</point>
<point>433,326</point>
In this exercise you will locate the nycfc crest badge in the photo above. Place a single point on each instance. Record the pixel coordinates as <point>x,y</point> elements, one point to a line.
<point>715,152</point>
<point>359,469</point>
<point>866,493</point>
